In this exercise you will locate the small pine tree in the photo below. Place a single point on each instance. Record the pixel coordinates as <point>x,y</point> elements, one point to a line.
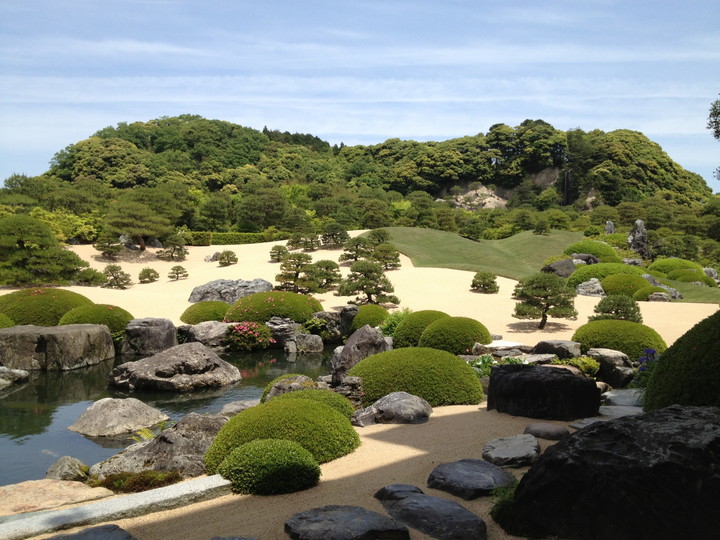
<point>378,236</point>
<point>116,278</point>
<point>485,282</point>
<point>177,272</point>
<point>386,256</point>
<point>356,249</point>
<point>322,275</point>
<point>334,235</point>
<point>278,253</point>
<point>227,258</point>
<point>174,250</point>
<point>544,294</point>
<point>291,270</point>
<point>617,306</point>
<point>148,275</point>
<point>368,278</point>
<point>108,247</point>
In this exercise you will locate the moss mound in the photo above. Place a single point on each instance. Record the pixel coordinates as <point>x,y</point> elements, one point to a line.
<point>207,310</point>
<point>642,294</point>
<point>408,331</point>
<point>629,337</point>
<point>601,250</point>
<point>259,307</point>
<point>5,321</point>
<point>371,314</point>
<point>270,467</point>
<point>317,427</point>
<point>340,403</point>
<point>668,265</point>
<point>688,275</point>
<point>625,284</point>
<point>601,271</point>
<point>41,307</point>
<point>455,335</point>
<point>114,317</point>
<point>688,372</point>
<point>439,377</point>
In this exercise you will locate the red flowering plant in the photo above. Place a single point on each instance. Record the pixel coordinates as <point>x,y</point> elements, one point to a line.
<point>248,336</point>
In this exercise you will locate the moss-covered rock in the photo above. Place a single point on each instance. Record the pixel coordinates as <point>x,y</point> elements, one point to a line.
<point>371,314</point>
<point>629,337</point>
<point>456,335</point>
<point>625,284</point>
<point>114,317</point>
<point>439,377</point>
<point>606,253</point>
<point>40,306</point>
<point>328,397</point>
<point>260,307</point>
<point>206,310</point>
<point>688,372</point>
<point>601,271</point>
<point>408,331</point>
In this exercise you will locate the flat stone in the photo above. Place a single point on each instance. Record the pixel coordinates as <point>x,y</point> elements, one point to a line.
<point>618,411</point>
<point>547,431</point>
<point>110,417</point>
<point>228,290</point>
<point>516,451</point>
<point>35,495</point>
<point>343,523</point>
<point>469,478</point>
<point>101,532</point>
<point>625,396</point>
<point>234,407</point>
<point>562,348</point>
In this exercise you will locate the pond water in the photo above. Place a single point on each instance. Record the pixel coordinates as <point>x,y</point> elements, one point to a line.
<point>34,417</point>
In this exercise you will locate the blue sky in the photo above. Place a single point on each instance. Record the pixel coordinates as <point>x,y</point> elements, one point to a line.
<point>359,71</point>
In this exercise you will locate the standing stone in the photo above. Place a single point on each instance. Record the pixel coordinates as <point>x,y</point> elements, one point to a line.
<point>148,336</point>
<point>283,330</point>
<point>638,239</point>
<point>364,342</point>
<point>609,227</point>
<point>109,417</point>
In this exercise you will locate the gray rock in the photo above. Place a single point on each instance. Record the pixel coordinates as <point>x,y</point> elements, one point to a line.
<point>591,287</point>
<point>364,342</point>
<point>633,262</point>
<point>711,272</point>
<point>615,366</point>
<point>561,348</point>
<point>8,376</point>
<point>182,368</point>
<point>674,293</point>
<point>629,396</point>
<point>283,330</point>
<point>587,258</point>
<point>638,239</point>
<point>516,451</point>
<point>351,388</point>
<point>110,417</point>
<point>433,516</point>
<point>343,523</point>
<point>562,268</point>
<point>234,407</point>
<point>209,333</point>
<point>537,358</point>
<point>394,408</point>
<point>347,314</point>
<point>229,290</point>
<point>659,297</point>
<point>101,532</point>
<point>290,384</point>
<point>212,258</point>
<point>547,431</point>
<point>178,448</point>
<point>609,227</point>
<point>308,344</point>
<point>68,468</point>
<point>148,336</point>
<point>55,348</point>
<point>512,352</point>
<point>618,411</point>
<point>469,478</point>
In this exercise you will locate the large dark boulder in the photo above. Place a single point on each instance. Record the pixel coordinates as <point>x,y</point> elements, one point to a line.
<point>182,368</point>
<point>542,392</point>
<point>228,290</point>
<point>343,523</point>
<point>616,369</point>
<point>655,475</point>
<point>562,348</point>
<point>55,348</point>
<point>364,342</point>
<point>562,268</point>
<point>148,336</point>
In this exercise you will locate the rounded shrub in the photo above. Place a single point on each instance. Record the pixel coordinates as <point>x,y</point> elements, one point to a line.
<point>40,306</point>
<point>114,317</point>
<point>625,284</point>
<point>338,402</point>
<point>642,295</point>
<point>207,310</point>
<point>408,331</point>
<point>270,467</point>
<point>437,376</point>
<point>668,265</point>
<point>5,321</point>
<point>455,335</point>
<point>601,250</point>
<point>688,275</point>
<point>601,271</point>
<point>629,337</point>
<point>317,427</point>
<point>260,307</point>
<point>371,314</point>
<point>688,372</point>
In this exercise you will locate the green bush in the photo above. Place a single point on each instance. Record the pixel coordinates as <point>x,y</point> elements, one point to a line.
<point>688,275</point>
<point>40,306</point>
<point>588,365</point>
<point>207,310</point>
<point>148,275</point>
<point>227,258</point>
<point>269,385</point>
<point>641,295</point>
<point>248,336</point>
<point>485,282</point>
<point>5,321</point>
<point>114,317</point>
<point>261,306</point>
<point>629,337</point>
<point>371,314</point>
<point>199,238</point>
<point>437,376</point>
<point>601,271</point>
<point>338,402</point>
<point>89,277</point>
<point>688,373</point>
<point>270,467</point>
<point>389,325</point>
<point>601,250</point>
<point>455,335</point>
<point>668,265</point>
<point>618,307</point>
<point>625,284</point>
<point>408,331</point>
<point>177,272</point>
<point>232,238</point>
<point>116,277</point>
<point>317,427</point>
<point>278,253</point>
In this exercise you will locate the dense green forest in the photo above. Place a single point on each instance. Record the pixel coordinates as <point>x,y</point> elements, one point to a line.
<point>187,173</point>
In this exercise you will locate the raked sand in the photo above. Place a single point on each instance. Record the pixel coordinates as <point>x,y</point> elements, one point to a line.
<point>388,454</point>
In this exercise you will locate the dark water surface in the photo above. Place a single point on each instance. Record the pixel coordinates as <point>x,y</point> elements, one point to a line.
<point>34,417</point>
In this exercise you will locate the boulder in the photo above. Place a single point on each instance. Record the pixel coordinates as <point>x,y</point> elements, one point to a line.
<point>209,333</point>
<point>347,314</point>
<point>659,297</point>
<point>8,376</point>
<point>182,368</point>
<point>395,408</point>
<point>654,475</point>
<point>516,451</point>
<point>638,239</point>
<point>350,387</point>
<point>562,268</point>
<point>68,468</point>
<point>110,417</point>
<point>609,227</point>
<point>615,366</point>
<point>101,532</point>
<point>148,336</point>
<point>231,409</point>
<point>212,258</point>
<point>433,516</point>
<point>333,330</point>
<point>559,347</point>
<point>591,287</point>
<point>290,384</point>
<point>711,272</point>
<point>632,261</point>
<point>178,448</point>
<point>587,258</point>
<point>538,392</point>
<point>283,330</point>
<point>343,523</point>
<point>55,348</point>
<point>547,431</point>
<point>469,478</point>
<point>229,290</point>
<point>364,342</point>
<point>308,344</point>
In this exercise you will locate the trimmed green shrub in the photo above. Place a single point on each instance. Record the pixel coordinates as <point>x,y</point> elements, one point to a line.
<point>688,275</point>
<point>601,271</point>
<point>439,377</point>
<point>338,402</point>
<point>89,277</point>
<point>148,275</point>
<point>389,325</point>
<point>624,284</point>
<point>371,314</point>
<point>619,307</point>
<point>656,273</point>
<point>317,427</point>
<point>5,321</point>
<point>232,238</point>
<point>261,306</point>
<point>270,467</point>
<point>207,310</point>
<point>269,385</point>
<point>114,317</point>
<point>641,295</point>
<point>668,265</point>
<point>38,306</point>
<point>688,373</point>
<point>455,335</point>
<point>485,282</point>
<point>601,250</point>
<point>629,337</point>
<point>199,238</point>
<point>408,331</point>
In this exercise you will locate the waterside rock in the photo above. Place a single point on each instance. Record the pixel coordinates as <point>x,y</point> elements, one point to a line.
<point>364,342</point>
<point>110,417</point>
<point>148,336</point>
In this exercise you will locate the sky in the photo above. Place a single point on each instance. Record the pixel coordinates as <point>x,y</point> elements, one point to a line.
<point>359,72</point>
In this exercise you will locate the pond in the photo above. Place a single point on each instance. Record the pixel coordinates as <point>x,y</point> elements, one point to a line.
<point>34,417</point>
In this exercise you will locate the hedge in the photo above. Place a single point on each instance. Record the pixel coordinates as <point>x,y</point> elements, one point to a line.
<point>371,314</point>
<point>5,321</point>
<point>668,265</point>
<point>625,284</point>
<point>338,402</point>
